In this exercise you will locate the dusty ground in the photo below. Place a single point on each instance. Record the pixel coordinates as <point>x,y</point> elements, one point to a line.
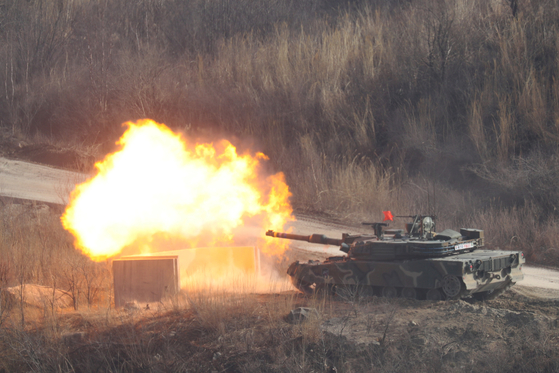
<point>512,333</point>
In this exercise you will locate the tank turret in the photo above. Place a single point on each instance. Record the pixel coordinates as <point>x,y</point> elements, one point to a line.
<point>419,240</point>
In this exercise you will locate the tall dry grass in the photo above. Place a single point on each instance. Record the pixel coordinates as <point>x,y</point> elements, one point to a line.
<point>361,104</point>
<point>346,80</point>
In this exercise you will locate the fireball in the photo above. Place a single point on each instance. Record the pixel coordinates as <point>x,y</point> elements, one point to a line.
<point>158,190</point>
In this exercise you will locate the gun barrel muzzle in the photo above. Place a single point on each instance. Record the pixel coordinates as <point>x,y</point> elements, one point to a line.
<point>313,238</point>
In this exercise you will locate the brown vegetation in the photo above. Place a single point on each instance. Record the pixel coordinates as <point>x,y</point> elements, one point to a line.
<point>35,249</point>
<point>248,333</point>
<point>364,105</point>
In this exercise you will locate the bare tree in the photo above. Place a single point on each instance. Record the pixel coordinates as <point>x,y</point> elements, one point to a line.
<point>513,4</point>
<point>438,26</point>
<point>94,275</point>
<point>5,270</point>
<point>72,278</point>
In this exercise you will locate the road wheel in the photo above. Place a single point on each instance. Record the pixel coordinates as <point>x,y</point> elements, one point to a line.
<point>434,294</point>
<point>303,286</point>
<point>324,289</point>
<point>389,292</point>
<point>452,287</point>
<point>409,293</point>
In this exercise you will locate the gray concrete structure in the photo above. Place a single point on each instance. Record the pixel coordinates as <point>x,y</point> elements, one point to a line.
<point>146,279</point>
<point>150,278</point>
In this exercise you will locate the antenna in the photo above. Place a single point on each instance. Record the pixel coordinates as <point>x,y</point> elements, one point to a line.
<point>431,205</point>
<point>429,200</point>
<point>434,200</point>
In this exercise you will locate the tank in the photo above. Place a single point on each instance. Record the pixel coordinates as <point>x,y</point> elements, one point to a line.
<point>415,262</point>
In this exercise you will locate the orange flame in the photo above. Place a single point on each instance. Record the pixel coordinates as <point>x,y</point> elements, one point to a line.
<point>158,188</point>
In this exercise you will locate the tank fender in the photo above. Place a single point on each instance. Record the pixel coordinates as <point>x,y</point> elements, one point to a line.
<point>516,274</point>
<point>469,281</point>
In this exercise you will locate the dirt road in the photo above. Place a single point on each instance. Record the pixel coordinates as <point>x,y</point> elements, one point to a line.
<point>31,181</point>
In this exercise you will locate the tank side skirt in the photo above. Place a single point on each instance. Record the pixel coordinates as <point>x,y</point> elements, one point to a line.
<point>423,274</point>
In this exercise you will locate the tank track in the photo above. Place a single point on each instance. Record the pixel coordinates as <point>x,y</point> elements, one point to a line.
<point>433,294</point>
<point>489,295</point>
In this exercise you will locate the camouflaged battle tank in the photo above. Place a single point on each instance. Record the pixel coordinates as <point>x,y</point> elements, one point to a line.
<point>415,263</point>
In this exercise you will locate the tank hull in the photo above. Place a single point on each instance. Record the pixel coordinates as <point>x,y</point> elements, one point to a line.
<point>482,272</point>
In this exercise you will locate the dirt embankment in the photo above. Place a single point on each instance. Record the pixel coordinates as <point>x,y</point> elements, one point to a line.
<point>250,334</point>
<point>46,154</point>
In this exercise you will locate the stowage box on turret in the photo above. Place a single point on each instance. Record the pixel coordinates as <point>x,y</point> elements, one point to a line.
<point>415,263</point>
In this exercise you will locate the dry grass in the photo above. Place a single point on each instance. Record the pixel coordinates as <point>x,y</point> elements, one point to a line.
<point>519,229</point>
<point>345,105</point>
<point>251,335</point>
<point>35,249</point>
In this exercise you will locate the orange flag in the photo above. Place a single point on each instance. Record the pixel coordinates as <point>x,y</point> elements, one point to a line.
<point>388,216</point>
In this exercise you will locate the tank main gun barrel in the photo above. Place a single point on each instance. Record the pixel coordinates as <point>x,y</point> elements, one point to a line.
<point>313,238</point>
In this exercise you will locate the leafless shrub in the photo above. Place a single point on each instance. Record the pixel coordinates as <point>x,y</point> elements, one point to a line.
<point>337,103</point>
<point>525,180</point>
<point>37,250</point>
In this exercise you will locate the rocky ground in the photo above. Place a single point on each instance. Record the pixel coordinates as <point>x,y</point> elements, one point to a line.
<point>512,333</point>
<point>463,333</point>
<point>252,333</point>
